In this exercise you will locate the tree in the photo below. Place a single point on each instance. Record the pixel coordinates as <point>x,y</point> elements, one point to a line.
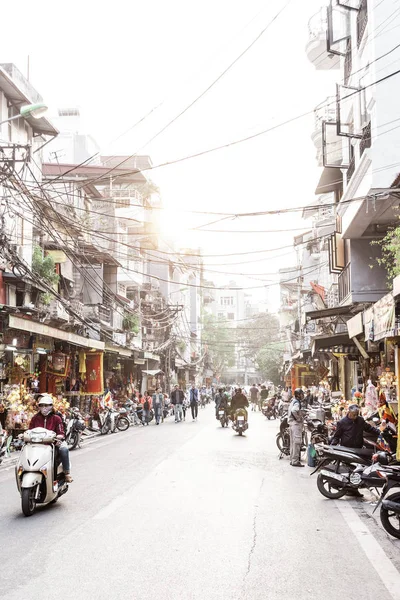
<point>259,340</point>
<point>390,259</point>
<point>219,342</point>
<point>269,361</point>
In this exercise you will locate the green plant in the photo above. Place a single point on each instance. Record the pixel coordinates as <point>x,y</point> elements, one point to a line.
<point>390,259</point>
<point>46,298</point>
<point>44,267</point>
<point>181,346</point>
<point>130,323</point>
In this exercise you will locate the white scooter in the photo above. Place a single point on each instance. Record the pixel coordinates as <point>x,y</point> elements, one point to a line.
<point>39,479</point>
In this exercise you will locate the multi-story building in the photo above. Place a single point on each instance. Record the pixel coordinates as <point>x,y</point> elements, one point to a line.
<point>358,142</point>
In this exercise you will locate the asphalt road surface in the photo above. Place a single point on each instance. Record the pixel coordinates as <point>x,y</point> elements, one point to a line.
<point>192,511</point>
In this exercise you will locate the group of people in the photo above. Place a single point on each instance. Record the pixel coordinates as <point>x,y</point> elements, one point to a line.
<point>349,430</point>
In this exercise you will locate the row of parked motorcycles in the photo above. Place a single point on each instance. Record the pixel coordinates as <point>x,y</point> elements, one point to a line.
<point>343,471</point>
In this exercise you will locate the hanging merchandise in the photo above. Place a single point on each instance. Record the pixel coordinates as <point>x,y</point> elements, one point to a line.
<point>20,406</point>
<point>371,398</point>
<point>94,373</point>
<point>82,363</point>
<point>57,364</point>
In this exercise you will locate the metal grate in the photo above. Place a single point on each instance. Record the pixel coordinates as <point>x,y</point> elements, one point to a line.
<point>348,62</point>
<point>344,283</point>
<point>351,169</point>
<point>362,20</point>
<point>366,139</point>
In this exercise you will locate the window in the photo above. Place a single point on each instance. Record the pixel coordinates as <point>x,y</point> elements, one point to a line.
<point>226,300</point>
<point>220,315</point>
<point>231,316</point>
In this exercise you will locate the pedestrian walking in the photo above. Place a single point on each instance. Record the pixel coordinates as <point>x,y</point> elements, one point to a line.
<point>146,409</point>
<point>158,405</point>
<point>194,401</point>
<point>177,399</point>
<point>184,408</point>
<point>296,424</point>
<point>254,393</point>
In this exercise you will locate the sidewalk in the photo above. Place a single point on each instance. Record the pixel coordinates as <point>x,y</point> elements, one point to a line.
<point>13,459</point>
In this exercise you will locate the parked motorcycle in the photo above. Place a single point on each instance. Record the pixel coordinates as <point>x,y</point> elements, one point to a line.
<point>340,471</point>
<point>40,476</point>
<point>269,408</point>
<point>223,417</point>
<point>3,444</point>
<point>319,433</point>
<point>240,423</point>
<point>75,427</point>
<point>111,420</point>
<point>390,505</point>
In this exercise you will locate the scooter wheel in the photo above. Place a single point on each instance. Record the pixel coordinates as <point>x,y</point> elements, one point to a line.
<point>73,441</point>
<point>327,489</point>
<point>389,519</point>
<point>28,501</point>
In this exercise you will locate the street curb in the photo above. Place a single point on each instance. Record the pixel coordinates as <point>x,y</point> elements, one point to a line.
<point>9,462</point>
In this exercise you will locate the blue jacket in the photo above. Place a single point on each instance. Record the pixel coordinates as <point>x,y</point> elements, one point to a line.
<point>193,395</point>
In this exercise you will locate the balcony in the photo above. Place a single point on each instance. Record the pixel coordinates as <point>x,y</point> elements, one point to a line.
<point>98,313</point>
<point>358,282</point>
<point>316,48</point>
<point>58,312</point>
<point>362,21</point>
<point>325,111</point>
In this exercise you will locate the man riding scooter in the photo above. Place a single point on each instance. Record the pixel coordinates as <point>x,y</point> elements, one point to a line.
<point>239,400</point>
<point>47,419</point>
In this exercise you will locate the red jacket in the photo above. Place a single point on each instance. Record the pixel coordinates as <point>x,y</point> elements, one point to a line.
<point>52,422</point>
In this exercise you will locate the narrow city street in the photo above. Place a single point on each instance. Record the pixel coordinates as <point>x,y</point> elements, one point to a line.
<point>192,511</point>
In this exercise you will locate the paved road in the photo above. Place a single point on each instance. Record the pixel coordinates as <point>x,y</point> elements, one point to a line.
<point>191,511</point>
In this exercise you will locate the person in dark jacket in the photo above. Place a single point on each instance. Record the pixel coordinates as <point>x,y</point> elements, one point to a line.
<point>194,401</point>
<point>177,399</point>
<point>239,400</point>
<point>47,418</point>
<point>350,429</point>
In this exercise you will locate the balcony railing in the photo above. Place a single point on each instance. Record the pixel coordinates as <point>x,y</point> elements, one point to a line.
<point>362,20</point>
<point>351,169</point>
<point>366,139</point>
<point>344,283</point>
<point>348,62</point>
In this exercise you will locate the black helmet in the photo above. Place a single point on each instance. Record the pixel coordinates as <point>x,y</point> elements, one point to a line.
<point>381,458</point>
<point>299,394</point>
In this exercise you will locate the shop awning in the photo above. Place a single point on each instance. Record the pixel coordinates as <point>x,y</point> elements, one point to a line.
<point>336,311</point>
<point>323,342</point>
<point>152,372</point>
<point>53,332</point>
<point>118,350</point>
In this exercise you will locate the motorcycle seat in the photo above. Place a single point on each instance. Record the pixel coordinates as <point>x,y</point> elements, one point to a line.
<point>359,451</point>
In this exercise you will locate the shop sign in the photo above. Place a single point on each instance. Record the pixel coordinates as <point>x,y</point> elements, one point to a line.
<point>383,318</point>
<point>355,325</point>
<point>396,286</point>
<point>44,342</point>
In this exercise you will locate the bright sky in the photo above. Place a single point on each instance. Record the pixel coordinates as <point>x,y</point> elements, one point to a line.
<point>118,60</point>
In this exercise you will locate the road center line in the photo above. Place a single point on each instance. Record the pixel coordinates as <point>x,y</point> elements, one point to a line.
<point>386,570</point>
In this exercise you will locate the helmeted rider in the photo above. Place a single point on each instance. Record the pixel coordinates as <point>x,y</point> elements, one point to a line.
<point>48,419</point>
<point>239,400</point>
<point>295,420</point>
